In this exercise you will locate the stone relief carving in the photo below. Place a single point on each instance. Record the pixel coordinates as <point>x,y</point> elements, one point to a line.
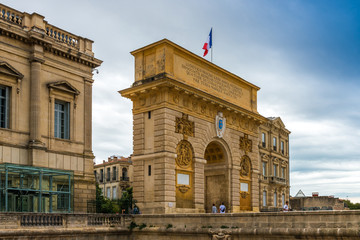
<point>176,98</point>
<point>203,109</point>
<point>184,126</point>
<point>184,154</point>
<point>244,194</point>
<point>153,98</point>
<point>245,166</point>
<point>223,235</point>
<point>245,144</point>
<point>183,188</point>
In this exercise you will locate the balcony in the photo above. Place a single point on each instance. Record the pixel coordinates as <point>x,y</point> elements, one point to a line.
<point>277,180</point>
<point>126,179</point>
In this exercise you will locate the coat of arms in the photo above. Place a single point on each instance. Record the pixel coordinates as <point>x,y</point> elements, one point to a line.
<point>220,124</point>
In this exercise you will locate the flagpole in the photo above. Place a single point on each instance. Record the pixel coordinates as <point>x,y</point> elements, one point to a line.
<point>212,36</point>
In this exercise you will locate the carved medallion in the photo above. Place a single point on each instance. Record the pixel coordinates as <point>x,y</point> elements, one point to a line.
<point>184,154</point>
<point>245,144</point>
<point>184,126</point>
<point>245,166</point>
<point>220,124</point>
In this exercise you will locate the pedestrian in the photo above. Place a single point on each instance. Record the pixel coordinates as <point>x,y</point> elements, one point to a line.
<point>222,208</point>
<point>214,209</point>
<point>286,207</point>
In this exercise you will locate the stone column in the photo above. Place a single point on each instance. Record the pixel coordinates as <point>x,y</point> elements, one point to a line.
<point>88,117</point>
<point>199,184</point>
<point>36,153</point>
<point>35,104</point>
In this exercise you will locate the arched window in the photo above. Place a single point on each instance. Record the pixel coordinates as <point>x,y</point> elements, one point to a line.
<point>125,174</point>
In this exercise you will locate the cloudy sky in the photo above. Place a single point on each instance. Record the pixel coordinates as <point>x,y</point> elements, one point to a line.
<point>303,54</point>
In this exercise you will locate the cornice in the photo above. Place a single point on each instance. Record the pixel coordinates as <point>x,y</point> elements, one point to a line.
<point>164,80</point>
<point>39,37</point>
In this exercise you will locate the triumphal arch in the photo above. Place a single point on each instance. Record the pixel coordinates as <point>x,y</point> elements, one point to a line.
<point>196,133</point>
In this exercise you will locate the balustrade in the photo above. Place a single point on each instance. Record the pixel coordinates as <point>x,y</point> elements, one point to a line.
<point>11,15</point>
<point>41,220</point>
<point>61,36</point>
<point>104,220</point>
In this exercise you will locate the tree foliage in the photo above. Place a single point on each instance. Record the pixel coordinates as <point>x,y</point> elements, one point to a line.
<point>103,204</point>
<point>123,205</point>
<point>351,206</point>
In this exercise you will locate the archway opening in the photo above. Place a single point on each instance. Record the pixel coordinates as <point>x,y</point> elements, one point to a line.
<point>216,176</point>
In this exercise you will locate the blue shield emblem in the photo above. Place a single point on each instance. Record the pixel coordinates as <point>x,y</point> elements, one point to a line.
<point>220,124</point>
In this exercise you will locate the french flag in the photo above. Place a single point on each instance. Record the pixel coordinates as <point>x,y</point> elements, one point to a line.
<point>208,43</point>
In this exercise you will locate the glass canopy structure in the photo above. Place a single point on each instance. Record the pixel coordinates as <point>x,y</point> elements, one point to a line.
<point>35,189</point>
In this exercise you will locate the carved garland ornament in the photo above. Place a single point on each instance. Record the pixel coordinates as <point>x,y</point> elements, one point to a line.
<point>184,154</point>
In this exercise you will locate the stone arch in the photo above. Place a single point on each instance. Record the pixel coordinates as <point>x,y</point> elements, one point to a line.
<point>245,183</point>
<point>217,174</point>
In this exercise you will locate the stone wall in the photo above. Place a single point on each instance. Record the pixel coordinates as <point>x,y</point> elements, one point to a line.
<point>290,225</point>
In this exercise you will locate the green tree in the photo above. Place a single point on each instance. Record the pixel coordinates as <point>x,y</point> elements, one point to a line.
<point>351,206</point>
<point>103,204</point>
<point>126,202</point>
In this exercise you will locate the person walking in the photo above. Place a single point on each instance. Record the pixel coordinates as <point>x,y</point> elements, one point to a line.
<point>222,208</point>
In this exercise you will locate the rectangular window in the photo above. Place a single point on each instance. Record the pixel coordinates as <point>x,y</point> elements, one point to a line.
<point>263,139</point>
<point>264,198</point>
<point>114,173</point>
<point>108,193</point>
<point>4,106</point>
<point>62,116</point>
<point>282,147</point>
<point>274,143</point>
<point>275,199</point>
<point>63,198</point>
<point>283,172</point>
<point>114,193</point>
<point>149,114</point>
<point>108,174</point>
<point>101,175</point>
<point>275,170</point>
<point>149,170</point>
<point>264,168</point>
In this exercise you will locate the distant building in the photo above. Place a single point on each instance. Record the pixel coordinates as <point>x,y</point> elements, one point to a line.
<point>315,202</point>
<point>46,158</point>
<point>114,176</point>
<point>274,164</point>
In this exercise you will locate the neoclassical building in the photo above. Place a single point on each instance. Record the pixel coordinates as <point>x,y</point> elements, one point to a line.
<point>114,176</point>
<point>46,158</point>
<point>274,161</point>
<point>196,136</point>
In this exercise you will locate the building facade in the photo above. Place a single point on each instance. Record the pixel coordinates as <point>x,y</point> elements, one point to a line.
<point>114,176</point>
<point>274,161</point>
<point>45,113</point>
<point>195,135</point>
